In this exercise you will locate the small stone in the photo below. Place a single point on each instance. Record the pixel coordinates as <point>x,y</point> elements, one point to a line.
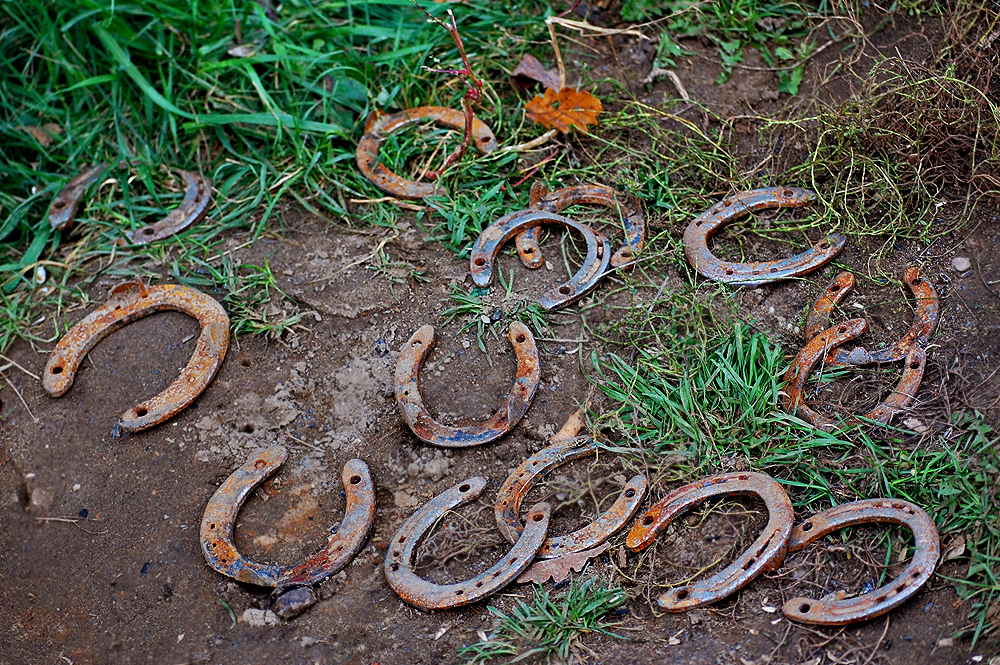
<point>961,263</point>
<point>259,618</point>
<point>293,603</point>
<point>307,641</point>
<point>945,642</point>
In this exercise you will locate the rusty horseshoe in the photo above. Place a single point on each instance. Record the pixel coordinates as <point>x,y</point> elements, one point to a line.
<point>67,202</point>
<point>632,221</point>
<point>515,488</point>
<point>429,596</point>
<point>840,611</point>
<point>754,273</point>
<point>489,242</point>
<point>131,301</point>
<point>765,554</point>
<point>416,415</point>
<point>197,197</point>
<point>377,128</point>
<point>818,318</point>
<point>220,518</point>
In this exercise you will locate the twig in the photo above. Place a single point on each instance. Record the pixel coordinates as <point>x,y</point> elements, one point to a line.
<point>14,363</point>
<point>583,26</point>
<point>307,445</point>
<point>555,48</point>
<point>532,144</point>
<point>879,643</point>
<point>19,396</point>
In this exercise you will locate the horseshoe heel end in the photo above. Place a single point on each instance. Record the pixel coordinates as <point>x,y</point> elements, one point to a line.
<point>528,249</point>
<point>58,375</point>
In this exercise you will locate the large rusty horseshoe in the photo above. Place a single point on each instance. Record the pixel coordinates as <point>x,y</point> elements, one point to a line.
<point>489,242</point>
<point>840,611</point>
<point>754,273</point>
<point>422,423</point>
<point>131,301</point>
<point>765,554</point>
<point>377,128</point>
<point>197,197</point>
<point>508,504</point>
<point>220,518</point>
<point>633,223</point>
<point>403,549</point>
<point>67,202</point>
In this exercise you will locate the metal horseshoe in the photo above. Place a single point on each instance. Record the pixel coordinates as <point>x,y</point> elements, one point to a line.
<point>925,320</point>
<point>377,128</point>
<point>754,273</point>
<point>67,202</point>
<point>840,611</point>
<point>197,197</point>
<point>429,596</point>
<point>541,198</point>
<point>422,423</point>
<point>508,504</point>
<point>765,554</point>
<point>814,351</point>
<point>131,301</point>
<point>489,242</point>
<point>220,518</point>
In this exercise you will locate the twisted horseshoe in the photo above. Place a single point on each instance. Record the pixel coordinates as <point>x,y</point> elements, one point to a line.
<point>814,351</point>
<point>130,301</point>
<point>754,273</point>
<point>489,242</point>
<point>220,517</point>
<point>925,320</point>
<point>515,488</point>
<point>765,554</point>
<point>840,611</point>
<point>556,201</point>
<point>197,197</point>
<point>376,129</point>
<point>67,202</point>
<point>429,596</point>
<point>411,404</point>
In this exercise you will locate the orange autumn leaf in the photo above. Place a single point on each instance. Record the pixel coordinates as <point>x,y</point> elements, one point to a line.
<point>564,109</point>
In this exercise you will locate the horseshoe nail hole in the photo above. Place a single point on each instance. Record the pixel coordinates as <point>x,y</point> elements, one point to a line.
<point>698,223</point>
<point>520,339</point>
<point>465,487</point>
<point>529,251</point>
<point>259,464</point>
<point>117,307</point>
<point>787,192</point>
<point>630,493</point>
<point>141,412</point>
<point>459,592</point>
<point>479,584</point>
<point>406,393</point>
<point>148,231</point>
<point>834,288</point>
<point>824,245</point>
<point>914,365</point>
<point>807,526</point>
<point>772,270</point>
<point>537,517</point>
<point>212,526</point>
<point>415,343</point>
<point>564,290</point>
<point>804,608</point>
<point>480,261</point>
<point>917,281</point>
<point>355,480</point>
<point>729,271</point>
<point>682,594</point>
<point>59,204</point>
<point>647,520</point>
<point>394,566</point>
<point>916,574</point>
<point>57,369</point>
<point>842,329</point>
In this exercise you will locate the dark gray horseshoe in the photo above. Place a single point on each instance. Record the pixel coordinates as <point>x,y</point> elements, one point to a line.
<point>197,197</point>
<point>67,202</point>
<point>489,242</point>
<point>403,548</point>
<point>220,518</point>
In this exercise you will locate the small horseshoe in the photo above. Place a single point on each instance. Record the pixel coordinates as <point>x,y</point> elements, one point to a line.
<point>754,273</point>
<point>837,612</point>
<point>489,242</point>
<point>197,197</point>
<point>515,488</point>
<point>377,128</point>
<point>220,517</point>
<point>411,404</point>
<point>429,596</point>
<point>556,201</point>
<point>818,318</point>
<point>67,202</point>
<point>925,320</point>
<point>131,301</point>
<point>765,554</point>
<point>814,351</point>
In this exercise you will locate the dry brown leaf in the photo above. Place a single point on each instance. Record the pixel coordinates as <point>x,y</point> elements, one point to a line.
<point>531,68</point>
<point>559,568</point>
<point>45,133</point>
<point>564,109</point>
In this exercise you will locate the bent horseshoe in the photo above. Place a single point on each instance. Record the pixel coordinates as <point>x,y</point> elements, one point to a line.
<point>411,404</point>
<point>765,554</point>
<point>489,242</point>
<point>197,197</point>
<point>220,518</point>
<point>131,301</point>
<point>840,611</point>
<point>377,128</point>
<point>67,202</point>
<point>429,596</point>
<point>514,489</point>
<point>818,318</point>
<point>633,223</point>
<point>754,273</point>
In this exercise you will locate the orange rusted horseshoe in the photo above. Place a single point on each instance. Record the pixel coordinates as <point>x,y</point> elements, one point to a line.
<point>131,301</point>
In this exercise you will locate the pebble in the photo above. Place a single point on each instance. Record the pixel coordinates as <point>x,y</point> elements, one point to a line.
<point>293,603</point>
<point>961,263</point>
<point>257,618</point>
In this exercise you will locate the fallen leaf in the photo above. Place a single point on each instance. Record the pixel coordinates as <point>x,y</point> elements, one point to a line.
<point>559,568</point>
<point>954,550</point>
<point>242,52</point>
<point>43,134</point>
<point>531,68</point>
<point>564,109</point>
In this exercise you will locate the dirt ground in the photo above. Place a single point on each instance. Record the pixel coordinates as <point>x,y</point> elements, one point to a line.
<point>100,559</point>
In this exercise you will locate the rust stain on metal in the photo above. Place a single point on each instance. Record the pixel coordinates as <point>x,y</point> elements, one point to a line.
<point>419,419</point>
<point>754,273</point>
<point>765,554</point>
<point>558,569</point>
<point>421,593</point>
<point>131,301</point>
<point>489,242</point>
<point>220,518</point>
<point>818,318</point>
<point>379,127</point>
<point>197,197</point>
<point>840,611</point>
<point>67,202</point>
